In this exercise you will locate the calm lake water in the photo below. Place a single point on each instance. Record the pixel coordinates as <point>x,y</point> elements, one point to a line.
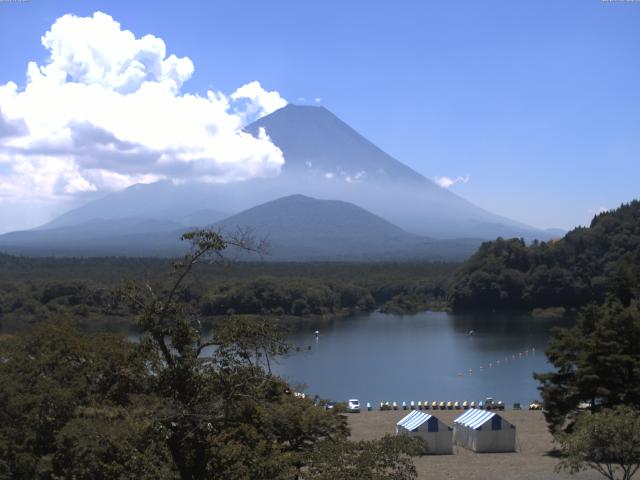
<point>384,357</point>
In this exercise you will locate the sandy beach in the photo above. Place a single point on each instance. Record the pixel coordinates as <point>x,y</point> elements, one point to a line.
<point>531,461</point>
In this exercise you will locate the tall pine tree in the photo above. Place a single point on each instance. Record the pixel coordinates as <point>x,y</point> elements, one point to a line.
<point>597,361</point>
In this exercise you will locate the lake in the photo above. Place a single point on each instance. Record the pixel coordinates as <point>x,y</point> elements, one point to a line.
<point>427,356</point>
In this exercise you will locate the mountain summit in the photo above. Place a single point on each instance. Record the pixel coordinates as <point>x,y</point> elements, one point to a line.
<point>314,140</point>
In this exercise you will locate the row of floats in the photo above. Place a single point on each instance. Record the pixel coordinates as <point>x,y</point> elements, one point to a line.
<point>505,361</point>
<point>488,404</point>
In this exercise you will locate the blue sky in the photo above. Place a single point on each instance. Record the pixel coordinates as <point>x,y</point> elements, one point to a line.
<point>537,102</point>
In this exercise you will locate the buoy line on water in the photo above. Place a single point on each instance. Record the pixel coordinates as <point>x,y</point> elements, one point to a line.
<point>506,360</point>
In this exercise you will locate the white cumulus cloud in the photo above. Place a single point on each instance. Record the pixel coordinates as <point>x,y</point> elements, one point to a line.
<point>106,111</point>
<point>446,182</point>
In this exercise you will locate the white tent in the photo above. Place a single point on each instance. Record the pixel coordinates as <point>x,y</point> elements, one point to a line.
<point>484,431</point>
<point>437,434</point>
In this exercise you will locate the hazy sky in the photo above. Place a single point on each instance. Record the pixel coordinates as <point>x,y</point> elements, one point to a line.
<point>532,108</point>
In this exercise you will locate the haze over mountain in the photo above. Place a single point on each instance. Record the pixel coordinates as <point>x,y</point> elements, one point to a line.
<point>325,159</point>
<point>296,227</point>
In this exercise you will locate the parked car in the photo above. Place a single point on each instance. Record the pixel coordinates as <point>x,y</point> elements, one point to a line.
<point>329,405</point>
<point>353,405</point>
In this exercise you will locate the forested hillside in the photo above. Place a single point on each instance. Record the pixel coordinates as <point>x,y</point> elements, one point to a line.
<point>580,268</point>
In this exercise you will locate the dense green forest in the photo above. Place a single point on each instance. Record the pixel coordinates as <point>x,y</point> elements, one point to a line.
<point>36,289</point>
<point>583,267</point>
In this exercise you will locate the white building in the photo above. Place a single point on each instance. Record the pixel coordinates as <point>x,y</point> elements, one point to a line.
<point>437,434</point>
<point>484,431</point>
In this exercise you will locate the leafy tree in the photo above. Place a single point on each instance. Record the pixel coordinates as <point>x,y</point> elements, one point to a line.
<point>607,442</point>
<point>104,443</point>
<point>597,361</point>
<point>50,372</point>
<point>225,415</point>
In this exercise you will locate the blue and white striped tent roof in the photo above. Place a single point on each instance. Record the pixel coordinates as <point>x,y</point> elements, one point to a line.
<point>474,418</point>
<point>414,420</point>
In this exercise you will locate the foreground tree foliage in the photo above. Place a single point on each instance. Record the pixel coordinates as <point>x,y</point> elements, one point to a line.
<point>78,406</point>
<point>386,459</point>
<point>584,266</point>
<point>47,376</point>
<point>607,442</point>
<point>597,362</point>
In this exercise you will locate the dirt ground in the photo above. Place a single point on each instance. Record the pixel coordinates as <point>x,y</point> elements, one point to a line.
<point>530,462</point>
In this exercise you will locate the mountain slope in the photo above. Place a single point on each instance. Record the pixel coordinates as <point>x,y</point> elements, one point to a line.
<point>329,159</point>
<point>314,140</point>
<point>300,227</point>
<point>161,201</point>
